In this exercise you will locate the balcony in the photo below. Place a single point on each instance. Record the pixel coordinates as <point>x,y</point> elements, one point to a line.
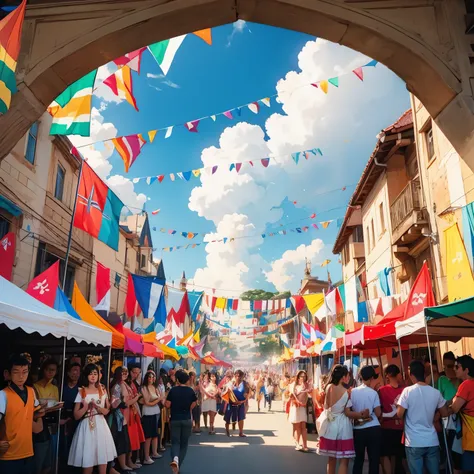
<point>357,249</point>
<point>407,214</point>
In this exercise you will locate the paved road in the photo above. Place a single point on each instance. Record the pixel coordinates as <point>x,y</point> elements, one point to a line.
<point>269,448</point>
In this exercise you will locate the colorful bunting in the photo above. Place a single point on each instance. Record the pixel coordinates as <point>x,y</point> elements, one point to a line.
<point>121,84</point>
<point>334,81</point>
<point>10,41</point>
<point>129,148</point>
<point>324,86</point>
<point>71,110</point>
<point>151,135</point>
<point>132,60</point>
<point>359,72</point>
<point>165,51</point>
<point>205,35</point>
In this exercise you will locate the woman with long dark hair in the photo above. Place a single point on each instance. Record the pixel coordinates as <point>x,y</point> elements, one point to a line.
<point>299,393</point>
<point>209,400</point>
<point>92,444</point>
<point>122,399</point>
<point>135,430</point>
<point>334,424</point>
<point>151,416</point>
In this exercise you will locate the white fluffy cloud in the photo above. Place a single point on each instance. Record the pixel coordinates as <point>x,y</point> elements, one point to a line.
<point>98,155</point>
<point>103,91</point>
<point>124,189</point>
<point>286,272</point>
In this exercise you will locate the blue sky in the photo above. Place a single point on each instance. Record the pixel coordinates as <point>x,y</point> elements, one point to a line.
<point>245,63</point>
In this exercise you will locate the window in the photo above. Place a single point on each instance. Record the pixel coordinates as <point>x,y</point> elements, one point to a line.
<point>59,187</point>
<point>368,239</point>
<point>382,219</point>
<point>430,143</point>
<point>31,143</point>
<point>372,228</point>
<point>358,234</point>
<point>4,227</point>
<point>143,261</point>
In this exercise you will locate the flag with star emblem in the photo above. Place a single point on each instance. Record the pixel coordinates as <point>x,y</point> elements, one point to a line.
<point>98,208</point>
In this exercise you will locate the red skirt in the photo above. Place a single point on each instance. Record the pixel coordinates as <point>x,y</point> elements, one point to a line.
<point>135,431</point>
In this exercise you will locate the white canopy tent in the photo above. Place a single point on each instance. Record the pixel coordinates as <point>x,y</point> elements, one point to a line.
<point>20,310</point>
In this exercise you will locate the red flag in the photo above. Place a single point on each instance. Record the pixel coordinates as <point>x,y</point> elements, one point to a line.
<point>213,304</point>
<point>131,299</point>
<point>235,304</point>
<point>7,255</point>
<point>132,60</point>
<point>44,286</point>
<point>421,294</point>
<point>379,310</point>
<point>102,288</point>
<point>299,303</point>
<point>91,199</point>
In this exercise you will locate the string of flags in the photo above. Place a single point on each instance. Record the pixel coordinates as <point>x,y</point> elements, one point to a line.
<point>196,173</point>
<point>191,235</point>
<point>129,153</point>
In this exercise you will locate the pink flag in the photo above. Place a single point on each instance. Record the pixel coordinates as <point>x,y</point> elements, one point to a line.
<point>192,126</point>
<point>265,162</point>
<point>238,166</point>
<point>359,73</point>
<point>229,115</point>
<point>132,60</point>
<point>129,148</point>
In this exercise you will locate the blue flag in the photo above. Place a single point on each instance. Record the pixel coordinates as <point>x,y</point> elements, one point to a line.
<point>194,298</point>
<point>61,303</point>
<point>149,292</point>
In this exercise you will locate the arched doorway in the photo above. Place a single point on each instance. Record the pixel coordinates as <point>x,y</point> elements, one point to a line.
<point>62,42</point>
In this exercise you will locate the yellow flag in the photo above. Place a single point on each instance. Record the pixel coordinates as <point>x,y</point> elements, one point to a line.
<point>326,262</point>
<point>221,303</point>
<point>197,173</point>
<point>197,335</point>
<point>151,135</point>
<point>325,224</point>
<point>324,86</point>
<point>458,269</point>
<point>314,302</point>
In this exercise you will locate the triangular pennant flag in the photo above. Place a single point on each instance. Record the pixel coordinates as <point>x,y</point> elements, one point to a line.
<point>169,131</point>
<point>130,300</point>
<point>254,107</point>
<point>197,173</point>
<point>135,180</point>
<point>186,175</point>
<point>172,176</point>
<point>315,84</point>
<point>161,177</point>
<point>265,162</point>
<point>359,72</point>
<point>228,114</point>
<point>232,166</point>
<point>238,166</point>
<point>205,35</point>
<point>325,224</point>
<point>334,81</point>
<point>214,169</point>
<point>372,63</point>
<point>325,263</point>
<point>44,286</point>
<point>324,86</point>
<point>151,135</point>
<point>266,101</point>
<point>238,111</point>
<point>132,60</point>
<point>148,291</point>
<point>153,179</point>
<point>121,84</point>
<point>192,126</point>
<point>165,51</point>
<point>296,157</point>
<point>213,117</point>
<point>129,148</point>
<point>179,174</point>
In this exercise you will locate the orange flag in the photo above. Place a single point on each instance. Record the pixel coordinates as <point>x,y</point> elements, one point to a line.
<point>205,35</point>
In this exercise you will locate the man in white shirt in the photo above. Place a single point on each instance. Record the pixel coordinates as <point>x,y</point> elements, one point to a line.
<point>367,432</point>
<point>418,404</point>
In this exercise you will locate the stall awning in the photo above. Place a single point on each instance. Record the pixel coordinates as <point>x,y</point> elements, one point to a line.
<point>90,316</point>
<point>450,321</point>
<point>10,206</point>
<point>20,310</point>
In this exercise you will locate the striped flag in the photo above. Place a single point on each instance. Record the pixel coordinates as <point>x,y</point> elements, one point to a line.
<point>165,51</point>
<point>121,85</point>
<point>10,41</point>
<point>129,148</point>
<point>132,60</point>
<point>71,110</point>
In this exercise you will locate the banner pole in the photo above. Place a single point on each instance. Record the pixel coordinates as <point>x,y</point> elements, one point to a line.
<point>429,353</point>
<point>401,358</point>
<point>71,226</point>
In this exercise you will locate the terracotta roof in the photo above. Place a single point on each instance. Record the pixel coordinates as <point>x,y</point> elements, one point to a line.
<point>371,173</point>
<point>404,122</point>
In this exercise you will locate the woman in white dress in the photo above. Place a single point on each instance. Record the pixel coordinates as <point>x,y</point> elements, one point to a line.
<point>92,444</point>
<point>299,393</point>
<point>334,424</point>
<point>209,401</point>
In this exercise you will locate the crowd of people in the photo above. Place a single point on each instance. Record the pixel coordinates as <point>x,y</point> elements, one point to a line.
<point>424,424</point>
<point>113,430</point>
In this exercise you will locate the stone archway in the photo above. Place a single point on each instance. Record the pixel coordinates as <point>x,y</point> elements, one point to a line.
<point>423,41</point>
